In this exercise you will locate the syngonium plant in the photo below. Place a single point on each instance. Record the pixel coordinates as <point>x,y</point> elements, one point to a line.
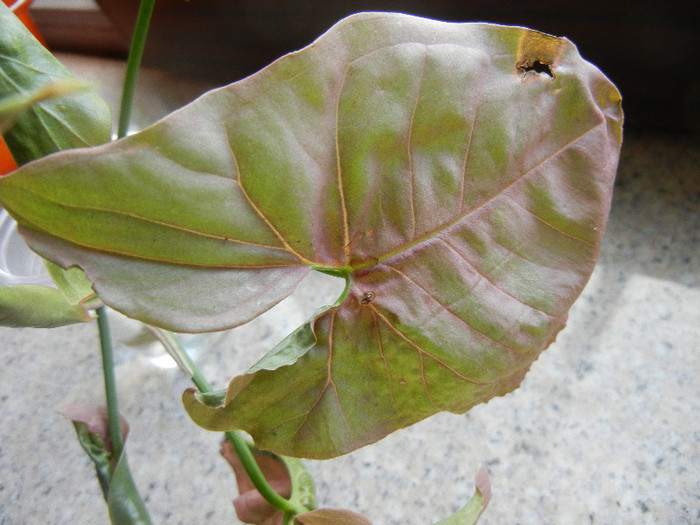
<point>457,176</point>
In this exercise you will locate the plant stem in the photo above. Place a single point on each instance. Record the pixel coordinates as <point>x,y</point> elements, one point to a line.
<point>242,449</point>
<point>138,43</point>
<point>240,444</point>
<point>114,420</point>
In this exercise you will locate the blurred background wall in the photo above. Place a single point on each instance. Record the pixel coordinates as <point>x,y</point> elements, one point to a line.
<point>649,48</point>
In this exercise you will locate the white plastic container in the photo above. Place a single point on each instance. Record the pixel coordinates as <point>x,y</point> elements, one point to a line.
<point>18,264</point>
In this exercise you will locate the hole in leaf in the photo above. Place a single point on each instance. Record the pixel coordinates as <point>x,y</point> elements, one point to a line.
<point>537,67</point>
<point>367,297</point>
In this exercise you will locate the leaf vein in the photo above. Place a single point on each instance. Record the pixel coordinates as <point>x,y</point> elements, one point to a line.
<point>149,220</point>
<point>329,382</point>
<point>481,206</point>
<point>422,350</point>
<point>385,361</point>
<point>444,307</point>
<point>339,172</point>
<point>424,382</point>
<point>465,163</point>
<point>490,281</point>
<point>260,213</point>
<point>521,256</point>
<point>290,388</point>
<point>550,225</point>
<point>144,258</point>
<point>409,148</point>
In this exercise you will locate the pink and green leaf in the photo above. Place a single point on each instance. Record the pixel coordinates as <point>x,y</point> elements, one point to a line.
<point>461,193</point>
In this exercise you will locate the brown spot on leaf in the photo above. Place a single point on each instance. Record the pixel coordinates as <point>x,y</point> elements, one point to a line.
<point>367,298</point>
<point>537,52</point>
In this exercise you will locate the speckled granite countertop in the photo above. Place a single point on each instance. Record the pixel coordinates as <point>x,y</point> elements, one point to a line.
<point>604,430</point>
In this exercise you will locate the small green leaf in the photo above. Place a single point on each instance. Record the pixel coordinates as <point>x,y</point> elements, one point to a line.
<point>303,489</point>
<point>470,514</point>
<point>29,305</point>
<point>289,350</point>
<point>73,283</point>
<point>94,446</point>
<point>12,106</point>
<point>29,71</point>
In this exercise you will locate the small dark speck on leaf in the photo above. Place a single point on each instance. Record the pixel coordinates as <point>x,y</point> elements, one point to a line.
<point>367,297</point>
<point>537,67</point>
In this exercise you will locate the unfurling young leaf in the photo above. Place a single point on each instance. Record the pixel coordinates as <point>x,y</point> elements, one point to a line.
<point>471,513</point>
<point>123,501</point>
<point>458,176</point>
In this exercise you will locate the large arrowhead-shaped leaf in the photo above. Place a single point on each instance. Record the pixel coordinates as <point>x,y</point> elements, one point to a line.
<point>459,175</point>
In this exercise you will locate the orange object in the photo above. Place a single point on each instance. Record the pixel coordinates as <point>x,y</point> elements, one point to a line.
<point>7,163</point>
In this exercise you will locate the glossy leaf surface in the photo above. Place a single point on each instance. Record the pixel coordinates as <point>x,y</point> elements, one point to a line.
<point>462,191</point>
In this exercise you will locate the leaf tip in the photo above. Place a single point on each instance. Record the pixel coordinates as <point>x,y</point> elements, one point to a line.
<point>483,485</point>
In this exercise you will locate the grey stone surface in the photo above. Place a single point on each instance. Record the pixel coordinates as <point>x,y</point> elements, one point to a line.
<point>603,430</point>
